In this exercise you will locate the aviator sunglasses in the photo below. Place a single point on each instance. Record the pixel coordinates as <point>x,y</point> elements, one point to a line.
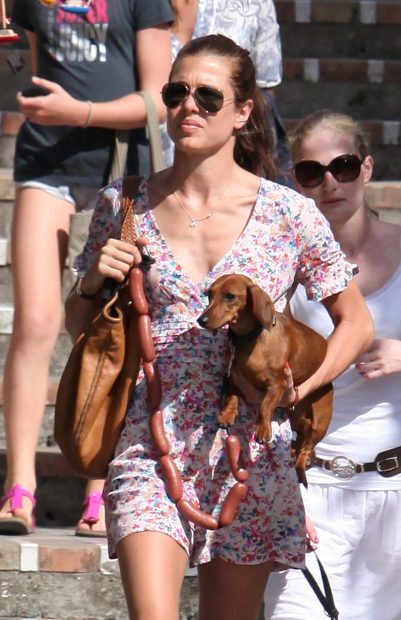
<point>344,168</point>
<point>209,99</point>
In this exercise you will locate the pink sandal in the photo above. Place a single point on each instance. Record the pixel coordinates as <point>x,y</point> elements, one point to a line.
<point>92,504</point>
<point>17,526</point>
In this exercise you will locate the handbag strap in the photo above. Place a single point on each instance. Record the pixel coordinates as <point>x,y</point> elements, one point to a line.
<point>131,184</point>
<point>153,128</point>
<point>127,230</point>
<point>121,141</point>
<point>129,189</point>
<point>325,599</point>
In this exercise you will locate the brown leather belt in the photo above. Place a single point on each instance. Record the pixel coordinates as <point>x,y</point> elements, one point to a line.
<point>387,464</point>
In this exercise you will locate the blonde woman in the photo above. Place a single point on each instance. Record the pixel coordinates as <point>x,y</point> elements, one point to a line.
<point>354,493</point>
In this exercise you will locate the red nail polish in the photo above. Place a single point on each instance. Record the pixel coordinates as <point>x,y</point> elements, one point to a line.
<point>286,366</point>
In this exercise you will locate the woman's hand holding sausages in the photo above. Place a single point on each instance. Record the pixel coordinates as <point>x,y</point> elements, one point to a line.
<point>115,260</point>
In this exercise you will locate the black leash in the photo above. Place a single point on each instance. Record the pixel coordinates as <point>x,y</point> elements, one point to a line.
<point>326,599</point>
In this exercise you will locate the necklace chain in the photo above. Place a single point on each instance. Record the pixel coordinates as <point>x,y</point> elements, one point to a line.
<point>193,222</point>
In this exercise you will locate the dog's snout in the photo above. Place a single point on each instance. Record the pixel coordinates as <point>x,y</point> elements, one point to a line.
<point>202,320</point>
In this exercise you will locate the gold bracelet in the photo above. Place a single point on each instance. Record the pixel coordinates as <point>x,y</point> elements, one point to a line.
<point>89,116</point>
<point>82,293</point>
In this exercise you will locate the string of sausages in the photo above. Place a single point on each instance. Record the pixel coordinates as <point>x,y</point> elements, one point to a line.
<point>171,474</point>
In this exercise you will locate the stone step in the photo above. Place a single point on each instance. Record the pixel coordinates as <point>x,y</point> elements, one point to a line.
<point>7,191</point>
<point>6,211</point>
<point>49,462</point>
<point>379,132</point>
<point>349,70</point>
<point>5,258</point>
<point>6,295</point>
<point>6,299</point>
<point>328,40</point>
<point>59,493</point>
<point>6,313</point>
<point>51,390</point>
<point>60,352</point>
<point>55,575</point>
<point>45,439</point>
<point>362,101</point>
<point>10,123</point>
<point>7,148</point>
<point>386,12</point>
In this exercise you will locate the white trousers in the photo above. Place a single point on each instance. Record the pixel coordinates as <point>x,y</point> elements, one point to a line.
<point>360,548</point>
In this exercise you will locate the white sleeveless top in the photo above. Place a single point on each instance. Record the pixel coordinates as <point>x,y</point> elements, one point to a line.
<point>367,413</point>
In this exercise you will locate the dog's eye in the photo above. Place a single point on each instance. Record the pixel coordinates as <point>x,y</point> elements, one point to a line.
<point>229,297</point>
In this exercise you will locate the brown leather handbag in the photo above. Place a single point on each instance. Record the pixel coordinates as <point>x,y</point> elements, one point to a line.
<point>100,374</point>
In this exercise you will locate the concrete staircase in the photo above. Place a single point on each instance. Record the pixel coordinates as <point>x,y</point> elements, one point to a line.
<point>53,574</point>
<point>344,54</point>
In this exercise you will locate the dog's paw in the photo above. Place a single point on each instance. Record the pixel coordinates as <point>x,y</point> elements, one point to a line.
<point>260,441</point>
<point>262,434</point>
<point>262,438</point>
<point>301,475</point>
<point>225,421</point>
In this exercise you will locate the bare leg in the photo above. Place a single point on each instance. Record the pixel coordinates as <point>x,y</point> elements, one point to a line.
<point>152,569</point>
<point>231,591</point>
<point>39,246</point>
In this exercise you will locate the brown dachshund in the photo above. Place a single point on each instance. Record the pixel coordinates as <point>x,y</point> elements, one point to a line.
<point>263,341</point>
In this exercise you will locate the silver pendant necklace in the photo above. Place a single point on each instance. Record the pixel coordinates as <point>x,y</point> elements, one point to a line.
<point>192,221</point>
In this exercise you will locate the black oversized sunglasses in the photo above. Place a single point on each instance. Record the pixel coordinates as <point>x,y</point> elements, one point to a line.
<point>209,99</point>
<point>344,168</point>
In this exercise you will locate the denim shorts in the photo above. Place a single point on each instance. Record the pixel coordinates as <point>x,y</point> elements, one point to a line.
<point>82,198</point>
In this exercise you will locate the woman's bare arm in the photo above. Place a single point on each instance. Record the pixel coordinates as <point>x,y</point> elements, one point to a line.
<point>153,56</point>
<point>353,333</point>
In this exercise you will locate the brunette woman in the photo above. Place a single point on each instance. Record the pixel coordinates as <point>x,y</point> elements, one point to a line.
<point>213,212</point>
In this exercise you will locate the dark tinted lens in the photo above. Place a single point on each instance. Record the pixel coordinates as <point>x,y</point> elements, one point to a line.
<point>345,168</point>
<point>309,173</point>
<point>174,93</point>
<point>209,99</point>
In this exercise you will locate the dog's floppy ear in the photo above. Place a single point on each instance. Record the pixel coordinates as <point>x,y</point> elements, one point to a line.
<point>262,306</point>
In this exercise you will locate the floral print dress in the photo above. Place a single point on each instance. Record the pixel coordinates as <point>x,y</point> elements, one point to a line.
<point>285,239</point>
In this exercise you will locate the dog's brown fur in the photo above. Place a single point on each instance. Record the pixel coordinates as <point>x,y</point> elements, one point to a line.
<point>257,372</point>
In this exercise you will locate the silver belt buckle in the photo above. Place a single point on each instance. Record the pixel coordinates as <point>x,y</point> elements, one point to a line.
<point>342,467</point>
<point>387,464</point>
